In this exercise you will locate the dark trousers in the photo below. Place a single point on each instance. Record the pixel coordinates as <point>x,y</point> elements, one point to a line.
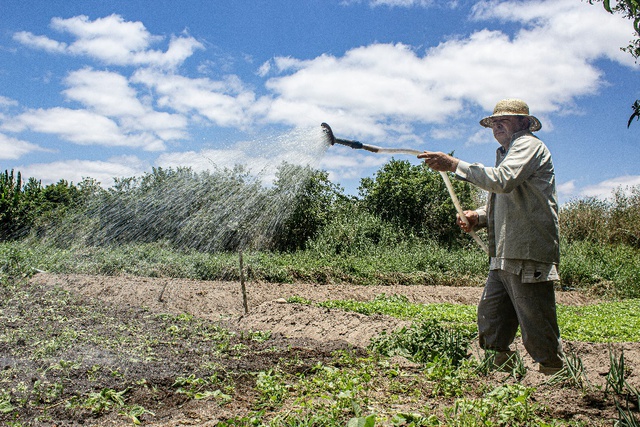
<point>507,303</point>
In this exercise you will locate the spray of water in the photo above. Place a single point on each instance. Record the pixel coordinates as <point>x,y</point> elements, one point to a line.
<point>223,207</point>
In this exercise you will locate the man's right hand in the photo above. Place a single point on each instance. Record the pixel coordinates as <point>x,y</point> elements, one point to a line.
<point>472,218</point>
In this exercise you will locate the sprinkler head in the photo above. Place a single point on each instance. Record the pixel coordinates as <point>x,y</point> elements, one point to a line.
<point>332,139</point>
<point>327,130</point>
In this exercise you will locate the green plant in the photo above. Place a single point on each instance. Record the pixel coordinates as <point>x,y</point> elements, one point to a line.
<point>572,373</point>
<point>415,199</point>
<point>105,399</point>
<point>424,342</point>
<point>508,405</point>
<point>272,388</point>
<point>198,388</point>
<point>616,377</point>
<point>135,413</point>
<point>5,402</point>
<point>368,421</point>
<point>414,420</point>
<point>449,380</point>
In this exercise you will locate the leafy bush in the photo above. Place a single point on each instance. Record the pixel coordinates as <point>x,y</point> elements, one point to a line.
<point>415,199</point>
<point>612,221</point>
<point>425,342</point>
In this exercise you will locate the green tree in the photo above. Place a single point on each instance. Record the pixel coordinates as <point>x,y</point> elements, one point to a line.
<point>415,199</point>
<point>313,200</point>
<point>630,9</point>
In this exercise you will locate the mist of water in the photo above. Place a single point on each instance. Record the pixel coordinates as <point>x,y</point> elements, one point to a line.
<point>223,207</point>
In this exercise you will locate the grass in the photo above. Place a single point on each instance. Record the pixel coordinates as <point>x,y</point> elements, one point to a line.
<point>617,321</point>
<point>611,271</point>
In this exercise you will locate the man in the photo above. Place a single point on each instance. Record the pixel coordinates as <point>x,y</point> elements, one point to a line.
<point>521,216</point>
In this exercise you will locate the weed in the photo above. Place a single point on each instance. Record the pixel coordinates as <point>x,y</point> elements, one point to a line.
<point>105,400</point>
<point>198,388</point>
<point>135,413</point>
<point>573,373</point>
<point>272,389</point>
<point>449,380</point>
<point>368,421</point>
<point>425,342</point>
<point>5,402</point>
<point>508,405</point>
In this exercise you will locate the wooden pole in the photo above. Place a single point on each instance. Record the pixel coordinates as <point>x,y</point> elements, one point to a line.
<point>242,286</point>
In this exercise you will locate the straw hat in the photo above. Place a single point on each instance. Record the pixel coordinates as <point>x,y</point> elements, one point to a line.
<point>512,107</point>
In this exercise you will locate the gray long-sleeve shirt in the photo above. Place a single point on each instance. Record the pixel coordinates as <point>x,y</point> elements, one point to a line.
<point>521,214</point>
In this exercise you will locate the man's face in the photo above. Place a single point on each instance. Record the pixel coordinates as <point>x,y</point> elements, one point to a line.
<point>504,127</point>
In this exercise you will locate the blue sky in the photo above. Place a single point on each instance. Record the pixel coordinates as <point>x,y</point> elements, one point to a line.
<point>111,89</point>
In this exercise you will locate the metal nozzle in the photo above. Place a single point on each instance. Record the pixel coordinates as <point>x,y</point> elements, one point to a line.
<point>332,139</point>
<point>327,130</point>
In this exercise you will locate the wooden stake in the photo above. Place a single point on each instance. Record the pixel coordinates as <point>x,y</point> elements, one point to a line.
<point>242,286</point>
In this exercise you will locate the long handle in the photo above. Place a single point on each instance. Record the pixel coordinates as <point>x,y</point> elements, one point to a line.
<point>456,203</point>
<point>447,183</point>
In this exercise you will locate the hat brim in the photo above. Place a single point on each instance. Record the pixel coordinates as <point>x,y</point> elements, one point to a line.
<point>534,123</point>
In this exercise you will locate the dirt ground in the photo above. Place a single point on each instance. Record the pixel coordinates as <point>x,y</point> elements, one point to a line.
<point>268,310</point>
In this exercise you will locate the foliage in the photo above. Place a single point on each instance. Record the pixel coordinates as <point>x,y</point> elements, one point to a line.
<point>587,322</point>
<point>425,342</point>
<point>601,268</point>
<point>400,307</point>
<point>630,9</point>
<point>315,201</point>
<point>24,204</point>
<point>415,199</point>
<point>594,220</point>
<point>212,211</point>
<point>508,405</point>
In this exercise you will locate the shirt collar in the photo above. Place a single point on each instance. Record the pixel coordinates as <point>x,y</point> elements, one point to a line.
<point>515,136</point>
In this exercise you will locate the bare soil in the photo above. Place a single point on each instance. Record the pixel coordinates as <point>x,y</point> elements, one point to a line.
<point>306,332</point>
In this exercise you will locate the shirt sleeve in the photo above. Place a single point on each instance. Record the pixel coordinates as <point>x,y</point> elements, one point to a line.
<point>519,163</point>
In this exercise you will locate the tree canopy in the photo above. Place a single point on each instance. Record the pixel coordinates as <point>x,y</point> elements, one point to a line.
<point>629,9</point>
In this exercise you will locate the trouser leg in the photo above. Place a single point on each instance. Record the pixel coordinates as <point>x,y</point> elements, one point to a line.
<point>497,318</point>
<point>535,306</point>
<point>506,303</point>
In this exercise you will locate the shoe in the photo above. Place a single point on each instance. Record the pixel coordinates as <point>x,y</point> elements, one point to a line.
<point>549,370</point>
<point>504,361</point>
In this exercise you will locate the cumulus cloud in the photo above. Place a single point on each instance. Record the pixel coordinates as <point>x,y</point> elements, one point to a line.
<point>76,170</point>
<point>81,127</point>
<point>110,94</point>
<point>605,189</point>
<point>225,103</point>
<point>13,148</point>
<point>113,41</point>
<point>380,88</point>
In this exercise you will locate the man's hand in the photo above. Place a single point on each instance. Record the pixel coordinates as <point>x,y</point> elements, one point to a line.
<point>472,218</point>
<point>439,161</point>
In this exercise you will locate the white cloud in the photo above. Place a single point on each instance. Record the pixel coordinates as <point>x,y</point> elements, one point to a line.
<point>81,127</point>
<point>605,189</point>
<point>76,170</point>
<point>225,103</point>
<point>12,148</point>
<point>548,61</point>
<point>566,189</point>
<point>7,102</point>
<point>40,42</point>
<point>113,41</point>
<point>109,94</point>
